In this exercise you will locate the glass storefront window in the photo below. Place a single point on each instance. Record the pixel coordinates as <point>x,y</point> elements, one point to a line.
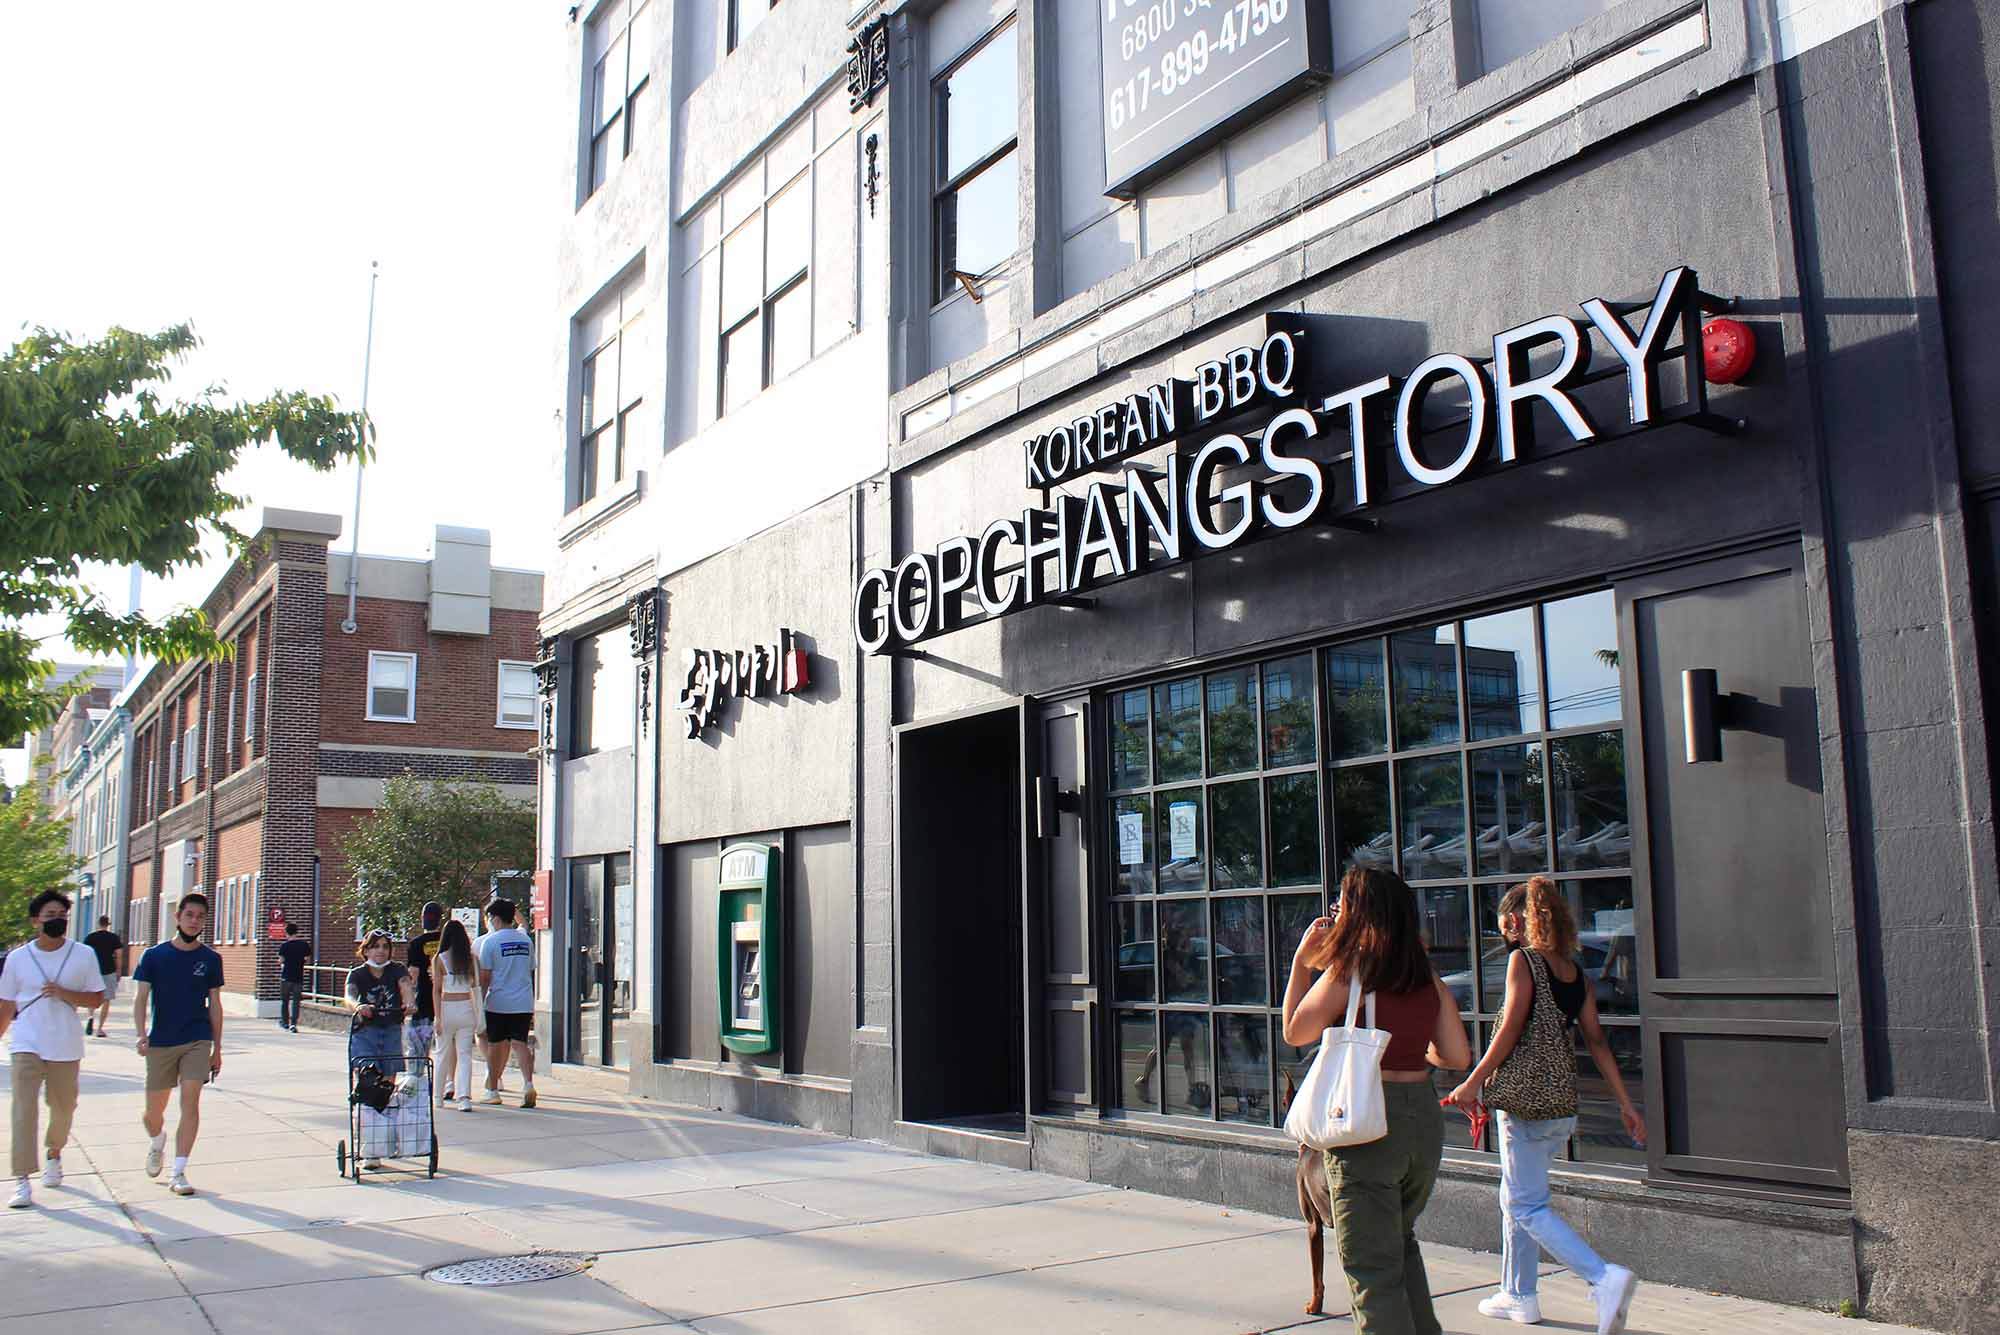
<point>1357,699</point>
<point>1587,784</point>
<point>1466,756</point>
<point>1426,673</point>
<point>1177,730</point>
<point>1131,743</point>
<point>1232,721</point>
<point>1582,638</point>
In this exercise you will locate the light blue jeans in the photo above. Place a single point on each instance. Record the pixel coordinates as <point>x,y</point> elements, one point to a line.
<point>1528,1222</point>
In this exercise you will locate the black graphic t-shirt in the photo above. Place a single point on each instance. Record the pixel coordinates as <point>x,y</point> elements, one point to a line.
<point>383,991</point>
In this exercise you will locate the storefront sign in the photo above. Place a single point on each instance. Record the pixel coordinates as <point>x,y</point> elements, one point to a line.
<point>538,900</point>
<point>1218,489</point>
<point>1179,74</point>
<point>712,676</point>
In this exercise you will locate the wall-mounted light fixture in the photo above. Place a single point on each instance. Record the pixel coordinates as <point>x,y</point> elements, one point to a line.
<point>1704,714</point>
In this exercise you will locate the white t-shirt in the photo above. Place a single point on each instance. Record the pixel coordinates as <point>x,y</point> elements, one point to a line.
<point>46,1026</point>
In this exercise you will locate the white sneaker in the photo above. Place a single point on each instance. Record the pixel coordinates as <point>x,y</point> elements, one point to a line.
<point>180,1186</point>
<point>52,1172</point>
<point>24,1196</point>
<point>155,1157</point>
<point>1614,1298</point>
<point>1506,1307</point>
<point>372,1165</point>
<point>463,1105</point>
<point>491,1096</point>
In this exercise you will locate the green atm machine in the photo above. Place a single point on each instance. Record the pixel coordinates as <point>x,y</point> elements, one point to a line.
<point>748,929</point>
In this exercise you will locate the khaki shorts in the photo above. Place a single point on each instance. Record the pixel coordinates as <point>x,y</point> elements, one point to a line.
<point>184,1063</point>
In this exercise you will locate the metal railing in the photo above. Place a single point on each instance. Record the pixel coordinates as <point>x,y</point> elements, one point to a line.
<point>326,984</point>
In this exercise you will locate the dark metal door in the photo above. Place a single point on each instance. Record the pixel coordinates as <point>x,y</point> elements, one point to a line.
<point>1741,1032</point>
<point>1059,905</point>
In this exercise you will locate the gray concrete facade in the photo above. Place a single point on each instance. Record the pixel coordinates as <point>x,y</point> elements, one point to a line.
<point>1481,166</point>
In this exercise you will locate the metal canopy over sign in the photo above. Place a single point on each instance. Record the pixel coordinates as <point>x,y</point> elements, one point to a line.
<point>1261,442</point>
<point>1180,74</point>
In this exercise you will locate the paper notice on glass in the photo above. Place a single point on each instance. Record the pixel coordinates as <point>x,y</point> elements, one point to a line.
<point>1181,840</point>
<point>1131,838</point>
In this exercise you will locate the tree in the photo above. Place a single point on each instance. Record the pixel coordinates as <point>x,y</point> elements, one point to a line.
<point>96,466</point>
<point>34,856</point>
<point>434,839</point>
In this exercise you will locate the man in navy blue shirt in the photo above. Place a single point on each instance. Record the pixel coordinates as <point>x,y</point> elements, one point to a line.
<point>182,979</point>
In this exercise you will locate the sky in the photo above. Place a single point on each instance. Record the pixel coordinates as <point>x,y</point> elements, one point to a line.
<point>239,166</point>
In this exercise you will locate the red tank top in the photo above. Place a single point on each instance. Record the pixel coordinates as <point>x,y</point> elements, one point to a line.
<point>1411,1019</point>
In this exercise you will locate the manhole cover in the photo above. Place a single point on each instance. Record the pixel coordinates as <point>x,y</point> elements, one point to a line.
<point>490,1270</point>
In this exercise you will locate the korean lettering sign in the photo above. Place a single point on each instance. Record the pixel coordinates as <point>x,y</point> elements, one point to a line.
<point>1178,74</point>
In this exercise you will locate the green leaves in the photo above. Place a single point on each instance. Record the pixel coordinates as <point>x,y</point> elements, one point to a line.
<point>34,856</point>
<point>96,467</point>
<point>434,839</point>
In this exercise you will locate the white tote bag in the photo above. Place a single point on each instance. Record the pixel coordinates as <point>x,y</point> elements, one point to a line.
<point>1341,1101</point>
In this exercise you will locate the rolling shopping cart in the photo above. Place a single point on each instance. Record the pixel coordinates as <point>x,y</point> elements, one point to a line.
<point>388,1103</point>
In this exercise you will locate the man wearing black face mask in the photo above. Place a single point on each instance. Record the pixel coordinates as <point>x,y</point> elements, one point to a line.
<point>41,986</point>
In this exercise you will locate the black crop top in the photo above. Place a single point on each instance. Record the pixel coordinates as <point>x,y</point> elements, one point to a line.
<point>1569,996</point>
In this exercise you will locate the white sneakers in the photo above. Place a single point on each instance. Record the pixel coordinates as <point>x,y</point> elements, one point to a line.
<point>52,1171</point>
<point>1506,1307</point>
<point>180,1185</point>
<point>1613,1294</point>
<point>462,1104</point>
<point>24,1196</point>
<point>156,1156</point>
<point>491,1096</point>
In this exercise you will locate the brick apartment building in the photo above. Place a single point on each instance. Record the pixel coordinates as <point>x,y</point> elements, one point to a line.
<point>246,773</point>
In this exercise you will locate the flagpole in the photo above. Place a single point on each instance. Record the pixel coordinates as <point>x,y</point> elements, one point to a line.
<point>350,625</point>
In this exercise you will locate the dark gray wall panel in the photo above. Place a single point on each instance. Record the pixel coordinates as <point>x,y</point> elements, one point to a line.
<point>1957,58</point>
<point>686,1016</point>
<point>819,962</point>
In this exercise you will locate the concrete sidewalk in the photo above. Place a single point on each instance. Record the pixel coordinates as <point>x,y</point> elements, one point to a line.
<point>697,1220</point>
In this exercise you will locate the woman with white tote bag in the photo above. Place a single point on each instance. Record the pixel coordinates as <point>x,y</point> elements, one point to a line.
<point>1378,1188</point>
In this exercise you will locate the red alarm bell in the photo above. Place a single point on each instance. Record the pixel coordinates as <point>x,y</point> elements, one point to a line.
<point>1728,347</point>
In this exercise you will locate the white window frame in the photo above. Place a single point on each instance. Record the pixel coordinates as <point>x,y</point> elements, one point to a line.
<point>254,925</point>
<point>191,752</point>
<point>500,719</point>
<point>250,712</point>
<point>369,701</point>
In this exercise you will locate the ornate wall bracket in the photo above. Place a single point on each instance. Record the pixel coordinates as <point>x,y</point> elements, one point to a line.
<point>546,675</point>
<point>643,615</point>
<point>868,64</point>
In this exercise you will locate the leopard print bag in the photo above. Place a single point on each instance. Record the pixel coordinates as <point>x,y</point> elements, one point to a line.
<point>1537,1082</point>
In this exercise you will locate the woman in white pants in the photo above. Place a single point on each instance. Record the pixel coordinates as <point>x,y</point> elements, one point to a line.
<point>454,979</point>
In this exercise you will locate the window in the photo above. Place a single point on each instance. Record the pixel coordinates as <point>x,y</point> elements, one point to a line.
<point>517,696</point>
<point>978,172</point>
<point>229,734</point>
<point>602,699</point>
<point>392,687</point>
<point>250,710</point>
<point>611,380</point>
<point>256,883</point>
<point>1466,756</point>
<point>189,754</point>
<point>621,57</point>
<point>744,16</point>
<point>111,810</point>
<point>766,299</point>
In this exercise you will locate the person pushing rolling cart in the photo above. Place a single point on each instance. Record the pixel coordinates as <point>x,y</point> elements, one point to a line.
<point>388,1090</point>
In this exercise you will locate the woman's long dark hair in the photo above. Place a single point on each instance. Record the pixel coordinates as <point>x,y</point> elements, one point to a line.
<point>1377,934</point>
<point>456,947</point>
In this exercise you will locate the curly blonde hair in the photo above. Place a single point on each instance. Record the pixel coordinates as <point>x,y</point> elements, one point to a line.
<point>1551,926</point>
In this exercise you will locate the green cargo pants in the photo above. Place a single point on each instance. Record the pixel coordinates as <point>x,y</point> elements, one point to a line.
<point>1378,1190</point>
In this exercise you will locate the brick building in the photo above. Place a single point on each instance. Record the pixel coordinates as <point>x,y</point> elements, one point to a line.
<point>247,772</point>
